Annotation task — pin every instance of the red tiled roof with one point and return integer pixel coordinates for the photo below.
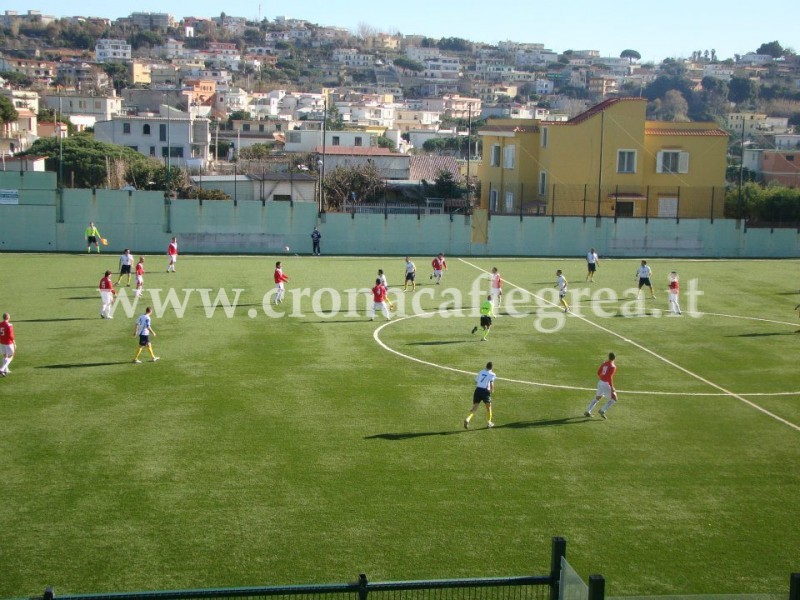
(687, 132)
(428, 167)
(509, 129)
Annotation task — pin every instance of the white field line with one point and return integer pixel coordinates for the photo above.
(655, 355)
(379, 341)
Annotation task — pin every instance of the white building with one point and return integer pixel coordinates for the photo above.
(350, 57)
(85, 110)
(443, 67)
(172, 133)
(309, 140)
(107, 50)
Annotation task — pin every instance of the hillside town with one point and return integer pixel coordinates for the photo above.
(240, 107)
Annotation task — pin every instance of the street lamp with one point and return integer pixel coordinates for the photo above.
(320, 171)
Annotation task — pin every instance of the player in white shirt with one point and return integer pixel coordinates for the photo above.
(591, 264)
(125, 264)
(561, 284)
(411, 274)
(144, 330)
(484, 386)
(496, 291)
(643, 274)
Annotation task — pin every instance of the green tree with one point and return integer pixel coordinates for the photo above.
(360, 182)
(334, 120)
(255, 152)
(444, 186)
(774, 49)
(239, 115)
(630, 55)
(8, 114)
(385, 142)
(408, 64)
(742, 90)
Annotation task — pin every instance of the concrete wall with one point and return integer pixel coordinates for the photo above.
(142, 222)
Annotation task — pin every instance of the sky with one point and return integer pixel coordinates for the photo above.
(656, 30)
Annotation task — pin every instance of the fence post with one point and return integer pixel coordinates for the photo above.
(597, 587)
(616, 203)
(585, 186)
(794, 587)
(362, 587)
(559, 551)
(678, 207)
(553, 211)
(647, 205)
(713, 191)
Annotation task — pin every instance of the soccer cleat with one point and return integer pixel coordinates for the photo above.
(489, 424)
(109, 317)
(474, 329)
(587, 414)
(466, 424)
(136, 361)
(431, 277)
(2, 373)
(603, 414)
(483, 339)
(155, 359)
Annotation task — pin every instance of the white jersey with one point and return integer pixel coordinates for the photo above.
(143, 325)
(484, 379)
(644, 272)
(410, 268)
(384, 283)
(591, 258)
(126, 260)
(561, 283)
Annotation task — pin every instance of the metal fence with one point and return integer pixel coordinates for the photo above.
(618, 202)
(541, 587)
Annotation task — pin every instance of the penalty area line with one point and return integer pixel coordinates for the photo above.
(652, 353)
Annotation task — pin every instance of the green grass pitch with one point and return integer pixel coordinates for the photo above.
(308, 449)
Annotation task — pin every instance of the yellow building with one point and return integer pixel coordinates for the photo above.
(607, 161)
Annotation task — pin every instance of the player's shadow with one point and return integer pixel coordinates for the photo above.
(84, 365)
(81, 298)
(753, 335)
(394, 437)
(73, 287)
(54, 320)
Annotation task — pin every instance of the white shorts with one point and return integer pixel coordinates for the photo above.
(496, 292)
(376, 306)
(173, 258)
(279, 286)
(603, 389)
(106, 297)
(7, 349)
(139, 280)
(673, 297)
(437, 273)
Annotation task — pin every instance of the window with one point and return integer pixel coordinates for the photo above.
(126, 128)
(245, 126)
(509, 156)
(358, 141)
(294, 137)
(145, 129)
(493, 200)
(543, 183)
(335, 140)
(162, 132)
(672, 161)
(261, 128)
(544, 137)
(174, 151)
(152, 150)
(277, 127)
(282, 197)
(626, 161)
(97, 104)
(790, 157)
(509, 201)
(495, 162)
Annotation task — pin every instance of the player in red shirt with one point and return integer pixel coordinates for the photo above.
(280, 277)
(172, 253)
(7, 346)
(674, 292)
(439, 264)
(107, 295)
(139, 277)
(605, 387)
(379, 300)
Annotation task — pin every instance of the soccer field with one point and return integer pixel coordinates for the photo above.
(314, 446)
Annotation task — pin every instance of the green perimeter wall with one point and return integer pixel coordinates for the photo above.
(142, 222)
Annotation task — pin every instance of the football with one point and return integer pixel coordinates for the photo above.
(286, 248)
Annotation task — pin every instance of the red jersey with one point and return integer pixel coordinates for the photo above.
(139, 269)
(280, 277)
(497, 282)
(438, 264)
(172, 249)
(106, 285)
(6, 333)
(379, 293)
(606, 372)
(674, 286)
